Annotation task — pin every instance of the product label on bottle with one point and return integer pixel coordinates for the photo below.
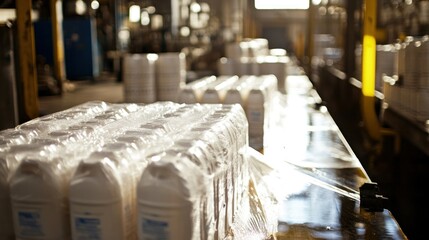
(87, 228)
(154, 229)
(94, 222)
(30, 224)
(257, 115)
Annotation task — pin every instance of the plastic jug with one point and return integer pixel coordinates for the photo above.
(38, 197)
(9, 161)
(98, 204)
(165, 210)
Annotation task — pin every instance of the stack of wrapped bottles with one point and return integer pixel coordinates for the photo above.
(126, 171)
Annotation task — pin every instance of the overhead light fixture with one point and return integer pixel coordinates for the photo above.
(195, 7)
(80, 7)
(95, 4)
(185, 31)
(134, 13)
(145, 18)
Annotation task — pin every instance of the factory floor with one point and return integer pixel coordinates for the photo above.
(103, 88)
(402, 176)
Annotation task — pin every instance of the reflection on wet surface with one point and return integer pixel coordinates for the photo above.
(320, 175)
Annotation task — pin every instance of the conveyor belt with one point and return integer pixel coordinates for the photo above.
(320, 173)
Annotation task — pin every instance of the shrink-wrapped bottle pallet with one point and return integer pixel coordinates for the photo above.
(254, 93)
(253, 57)
(126, 171)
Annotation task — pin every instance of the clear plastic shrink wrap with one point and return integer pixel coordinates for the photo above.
(9, 162)
(258, 109)
(193, 91)
(17, 143)
(47, 175)
(275, 65)
(215, 91)
(111, 175)
(10, 137)
(38, 197)
(38, 186)
(253, 93)
(239, 91)
(196, 188)
(127, 171)
(101, 196)
(63, 119)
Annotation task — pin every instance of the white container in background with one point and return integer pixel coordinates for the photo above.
(164, 210)
(39, 204)
(247, 66)
(215, 92)
(255, 111)
(257, 46)
(139, 77)
(170, 75)
(277, 66)
(278, 52)
(193, 91)
(239, 91)
(98, 204)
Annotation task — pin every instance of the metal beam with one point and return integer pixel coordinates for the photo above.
(27, 58)
(371, 121)
(57, 40)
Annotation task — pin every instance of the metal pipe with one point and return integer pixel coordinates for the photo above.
(57, 39)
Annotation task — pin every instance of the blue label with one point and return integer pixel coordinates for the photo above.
(153, 229)
(255, 116)
(87, 228)
(30, 224)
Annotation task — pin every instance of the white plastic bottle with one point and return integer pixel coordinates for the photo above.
(39, 201)
(256, 115)
(9, 161)
(98, 207)
(6, 226)
(193, 91)
(165, 210)
(238, 91)
(216, 90)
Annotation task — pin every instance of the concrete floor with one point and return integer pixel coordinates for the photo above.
(105, 88)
